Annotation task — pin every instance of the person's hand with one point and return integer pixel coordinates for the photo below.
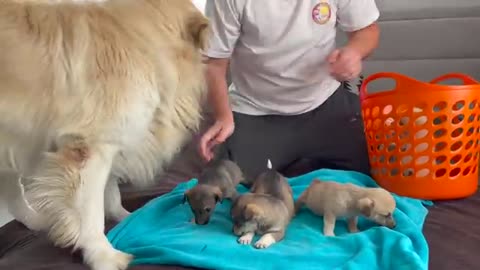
(345, 64)
(215, 135)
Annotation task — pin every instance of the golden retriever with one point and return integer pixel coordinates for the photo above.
(123, 77)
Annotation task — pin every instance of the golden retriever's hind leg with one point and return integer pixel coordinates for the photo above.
(114, 209)
(98, 253)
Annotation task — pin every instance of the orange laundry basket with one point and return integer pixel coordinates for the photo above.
(423, 138)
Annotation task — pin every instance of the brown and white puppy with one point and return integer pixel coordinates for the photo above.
(332, 200)
(217, 182)
(266, 210)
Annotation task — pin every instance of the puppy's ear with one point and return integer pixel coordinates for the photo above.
(199, 30)
(366, 205)
(185, 196)
(252, 211)
(217, 192)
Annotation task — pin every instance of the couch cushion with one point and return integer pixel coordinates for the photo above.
(408, 10)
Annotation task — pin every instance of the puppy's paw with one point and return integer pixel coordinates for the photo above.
(245, 239)
(353, 229)
(328, 232)
(264, 242)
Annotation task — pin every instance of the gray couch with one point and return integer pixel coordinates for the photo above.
(427, 38)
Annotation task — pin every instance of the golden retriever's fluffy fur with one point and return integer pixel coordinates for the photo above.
(125, 76)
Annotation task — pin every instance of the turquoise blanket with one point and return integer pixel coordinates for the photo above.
(161, 233)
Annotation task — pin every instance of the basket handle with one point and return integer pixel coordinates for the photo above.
(464, 78)
(401, 82)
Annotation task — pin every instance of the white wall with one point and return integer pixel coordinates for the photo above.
(200, 4)
(5, 217)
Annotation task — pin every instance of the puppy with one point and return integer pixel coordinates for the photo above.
(217, 182)
(266, 211)
(333, 200)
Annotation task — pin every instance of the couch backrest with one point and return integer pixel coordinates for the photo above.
(427, 38)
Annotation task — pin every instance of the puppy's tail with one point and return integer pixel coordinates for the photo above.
(269, 164)
(300, 202)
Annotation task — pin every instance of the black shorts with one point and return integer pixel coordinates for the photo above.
(331, 136)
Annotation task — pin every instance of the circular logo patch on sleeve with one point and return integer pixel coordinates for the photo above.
(321, 13)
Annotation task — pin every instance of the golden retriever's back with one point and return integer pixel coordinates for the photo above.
(64, 59)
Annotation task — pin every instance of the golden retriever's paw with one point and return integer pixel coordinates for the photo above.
(264, 242)
(113, 260)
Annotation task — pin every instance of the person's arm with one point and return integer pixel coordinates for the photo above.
(225, 20)
(365, 40)
(216, 76)
(358, 19)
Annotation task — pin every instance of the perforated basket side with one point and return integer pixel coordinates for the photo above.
(425, 148)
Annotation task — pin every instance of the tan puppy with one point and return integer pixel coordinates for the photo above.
(126, 75)
(266, 211)
(332, 200)
(217, 182)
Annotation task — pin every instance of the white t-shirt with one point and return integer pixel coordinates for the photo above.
(278, 49)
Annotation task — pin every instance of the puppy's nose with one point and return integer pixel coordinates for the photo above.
(392, 225)
(202, 222)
